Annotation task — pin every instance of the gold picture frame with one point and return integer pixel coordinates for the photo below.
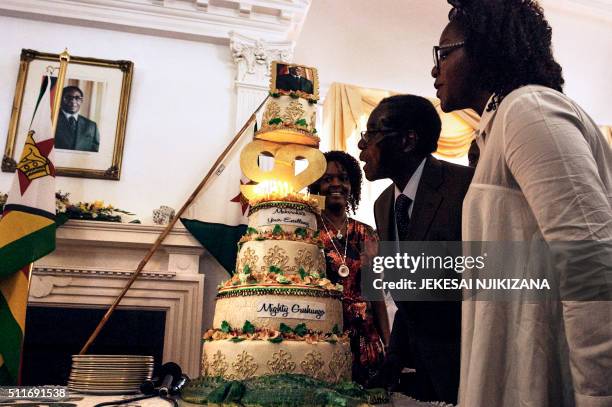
(282, 83)
(98, 99)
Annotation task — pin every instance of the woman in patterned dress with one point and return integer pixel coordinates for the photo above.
(345, 239)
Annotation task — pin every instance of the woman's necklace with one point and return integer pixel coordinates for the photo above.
(339, 230)
(343, 270)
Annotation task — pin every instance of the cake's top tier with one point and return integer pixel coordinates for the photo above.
(290, 112)
(265, 216)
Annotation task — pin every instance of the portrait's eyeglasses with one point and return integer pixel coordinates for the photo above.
(369, 135)
(69, 98)
(442, 51)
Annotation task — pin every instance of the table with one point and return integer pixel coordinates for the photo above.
(85, 400)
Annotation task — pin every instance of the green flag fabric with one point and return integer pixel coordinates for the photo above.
(220, 240)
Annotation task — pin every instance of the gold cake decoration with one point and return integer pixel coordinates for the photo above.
(249, 258)
(313, 364)
(339, 365)
(293, 113)
(277, 257)
(218, 366)
(204, 365)
(281, 363)
(272, 110)
(244, 366)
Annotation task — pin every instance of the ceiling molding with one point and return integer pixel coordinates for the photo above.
(205, 20)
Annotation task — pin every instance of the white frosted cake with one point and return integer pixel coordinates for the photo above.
(278, 313)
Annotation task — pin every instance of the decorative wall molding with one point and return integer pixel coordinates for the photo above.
(208, 20)
(252, 59)
(88, 271)
(94, 260)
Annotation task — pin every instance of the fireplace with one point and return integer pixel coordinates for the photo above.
(54, 334)
(92, 263)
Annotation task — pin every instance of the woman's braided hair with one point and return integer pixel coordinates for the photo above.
(509, 42)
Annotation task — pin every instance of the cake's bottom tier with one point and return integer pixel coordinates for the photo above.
(243, 360)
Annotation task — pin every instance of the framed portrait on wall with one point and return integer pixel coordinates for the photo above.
(295, 79)
(91, 124)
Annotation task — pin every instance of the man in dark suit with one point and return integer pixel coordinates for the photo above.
(295, 80)
(75, 131)
(423, 204)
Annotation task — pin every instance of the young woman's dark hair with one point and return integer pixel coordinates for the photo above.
(509, 43)
(350, 164)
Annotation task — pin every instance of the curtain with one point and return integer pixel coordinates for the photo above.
(347, 108)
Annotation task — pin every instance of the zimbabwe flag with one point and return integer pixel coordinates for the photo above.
(27, 229)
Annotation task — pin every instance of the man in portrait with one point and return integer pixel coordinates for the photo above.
(294, 80)
(75, 131)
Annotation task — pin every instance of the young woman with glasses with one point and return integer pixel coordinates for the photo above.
(544, 174)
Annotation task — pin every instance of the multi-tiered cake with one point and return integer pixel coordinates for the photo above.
(278, 313)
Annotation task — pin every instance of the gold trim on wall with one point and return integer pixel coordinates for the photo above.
(113, 172)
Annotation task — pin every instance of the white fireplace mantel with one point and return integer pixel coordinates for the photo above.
(93, 261)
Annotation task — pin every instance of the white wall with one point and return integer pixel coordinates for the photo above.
(386, 44)
(180, 117)
(583, 47)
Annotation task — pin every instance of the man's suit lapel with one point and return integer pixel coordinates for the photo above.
(428, 200)
(386, 230)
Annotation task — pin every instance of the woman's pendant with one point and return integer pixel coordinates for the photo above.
(339, 235)
(343, 271)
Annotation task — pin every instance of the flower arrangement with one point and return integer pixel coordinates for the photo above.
(96, 210)
(65, 210)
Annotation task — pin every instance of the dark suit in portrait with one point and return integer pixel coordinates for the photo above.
(291, 82)
(82, 135)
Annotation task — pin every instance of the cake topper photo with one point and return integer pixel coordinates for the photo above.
(294, 79)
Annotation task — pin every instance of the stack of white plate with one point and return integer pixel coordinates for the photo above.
(109, 374)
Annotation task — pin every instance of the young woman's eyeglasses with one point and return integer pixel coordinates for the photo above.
(441, 52)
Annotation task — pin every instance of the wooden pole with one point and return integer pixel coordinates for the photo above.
(59, 87)
(167, 230)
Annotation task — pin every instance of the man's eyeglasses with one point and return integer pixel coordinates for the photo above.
(441, 52)
(369, 135)
(68, 98)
